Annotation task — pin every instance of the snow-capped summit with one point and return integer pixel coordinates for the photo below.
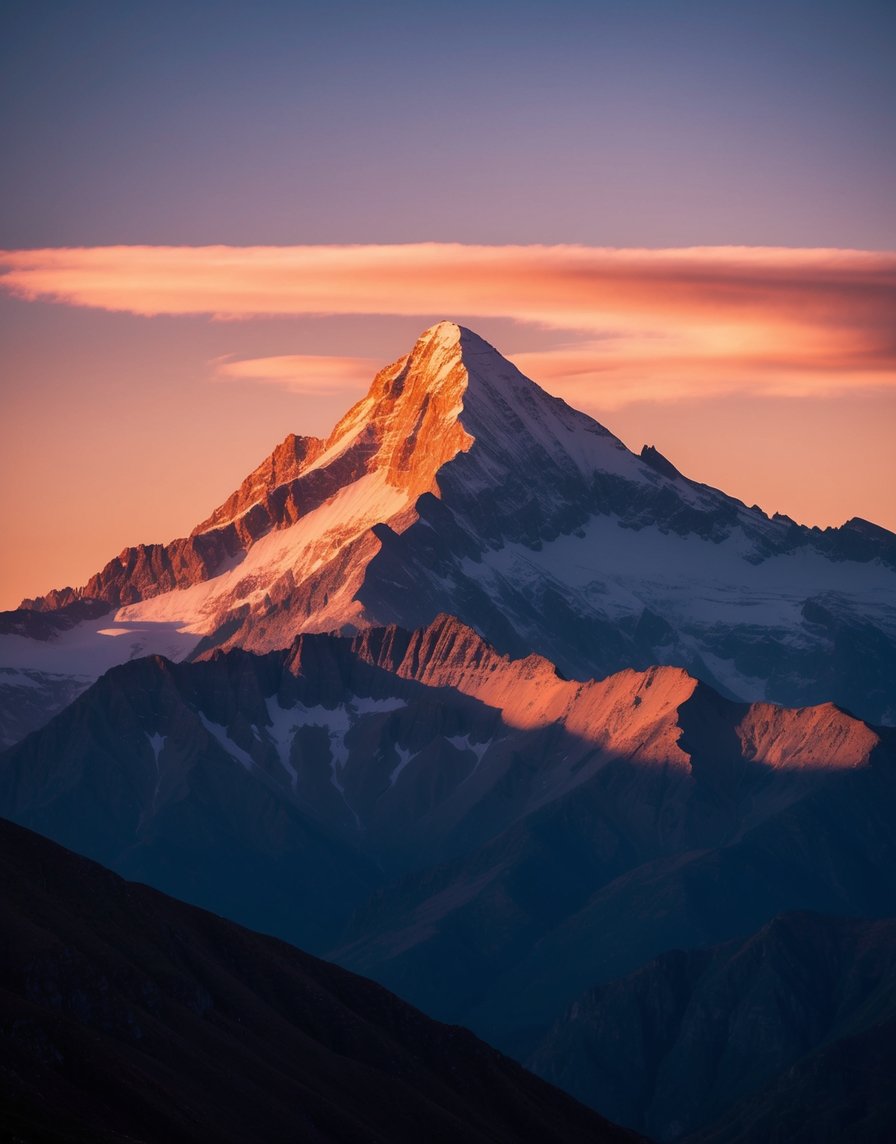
(451, 412)
(458, 485)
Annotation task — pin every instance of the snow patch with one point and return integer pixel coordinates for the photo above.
(695, 583)
(284, 722)
(282, 726)
(463, 743)
(219, 732)
(404, 757)
(87, 651)
(301, 550)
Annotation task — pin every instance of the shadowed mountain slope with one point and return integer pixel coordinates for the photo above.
(481, 835)
(787, 1035)
(127, 1015)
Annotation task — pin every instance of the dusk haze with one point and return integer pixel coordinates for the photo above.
(448, 526)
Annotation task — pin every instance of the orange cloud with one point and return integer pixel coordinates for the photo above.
(684, 322)
(695, 363)
(301, 373)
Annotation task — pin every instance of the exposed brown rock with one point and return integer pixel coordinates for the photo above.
(404, 427)
(284, 465)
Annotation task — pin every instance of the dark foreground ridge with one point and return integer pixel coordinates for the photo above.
(127, 1015)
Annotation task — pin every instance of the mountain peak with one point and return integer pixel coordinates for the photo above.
(445, 333)
(453, 336)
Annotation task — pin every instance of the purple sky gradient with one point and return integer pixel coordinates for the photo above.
(627, 123)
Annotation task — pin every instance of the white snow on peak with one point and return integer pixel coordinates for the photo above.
(300, 549)
(14, 677)
(698, 585)
(504, 411)
(86, 650)
(446, 334)
(683, 576)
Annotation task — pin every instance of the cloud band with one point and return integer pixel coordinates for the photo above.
(690, 320)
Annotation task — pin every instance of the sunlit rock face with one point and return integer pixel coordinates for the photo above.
(459, 486)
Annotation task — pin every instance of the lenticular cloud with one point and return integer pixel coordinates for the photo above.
(681, 322)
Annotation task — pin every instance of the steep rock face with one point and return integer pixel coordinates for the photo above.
(707, 1044)
(480, 834)
(252, 500)
(129, 1015)
(457, 485)
(637, 860)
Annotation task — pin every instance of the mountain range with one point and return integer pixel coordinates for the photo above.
(459, 486)
(550, 740)
(481, 835)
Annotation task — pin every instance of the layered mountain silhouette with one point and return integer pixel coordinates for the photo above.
(789, 1035)
(126, 1015)
(459, 486)
(483, 836)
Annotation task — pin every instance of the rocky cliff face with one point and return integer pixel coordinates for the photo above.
(251, 509)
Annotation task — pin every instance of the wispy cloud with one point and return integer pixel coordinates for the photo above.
(301, 373)
(640, 323)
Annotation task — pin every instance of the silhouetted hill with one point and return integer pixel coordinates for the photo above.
(127, 1015)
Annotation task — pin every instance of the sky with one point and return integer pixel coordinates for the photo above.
(219, 219)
